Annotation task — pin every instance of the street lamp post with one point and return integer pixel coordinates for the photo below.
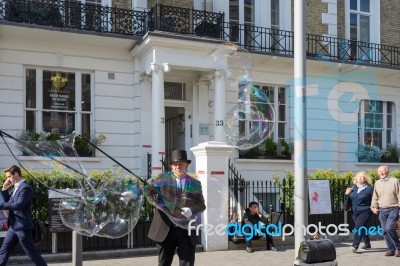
(300, 128)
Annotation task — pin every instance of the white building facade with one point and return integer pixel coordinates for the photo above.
(159, 90)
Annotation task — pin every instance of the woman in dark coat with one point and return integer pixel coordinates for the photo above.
(360, 194)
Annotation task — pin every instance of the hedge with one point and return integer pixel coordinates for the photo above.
(338, 183)
(41, 181)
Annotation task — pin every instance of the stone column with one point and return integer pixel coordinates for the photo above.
(212, 160)
(158, 115)
(139, 4)
(219, 106)
(202, 114)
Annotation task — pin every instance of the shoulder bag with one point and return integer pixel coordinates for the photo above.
(347, 204)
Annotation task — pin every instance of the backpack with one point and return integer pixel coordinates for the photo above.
(39, 231)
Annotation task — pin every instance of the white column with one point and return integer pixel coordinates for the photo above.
(219, 106)
(203, 110)
(139, 4)
(212, 160)
(158, 116)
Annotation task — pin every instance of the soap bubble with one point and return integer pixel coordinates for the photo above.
(251, 121)
(108, 203)
(162, 192)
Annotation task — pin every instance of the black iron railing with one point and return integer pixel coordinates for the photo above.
(236, 185)
(187, 21)
(75, 15)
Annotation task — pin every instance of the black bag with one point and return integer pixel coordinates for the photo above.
(317, 250)
(347, 204)
(39, 232)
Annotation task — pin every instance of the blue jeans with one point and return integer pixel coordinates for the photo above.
(361, 219)
(388, 218)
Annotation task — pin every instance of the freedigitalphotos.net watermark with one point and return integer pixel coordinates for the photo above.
(249, 231)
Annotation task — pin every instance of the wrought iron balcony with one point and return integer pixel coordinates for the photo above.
(190, 22)
(74, 15)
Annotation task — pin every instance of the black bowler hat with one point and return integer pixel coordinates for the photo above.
(179, 156)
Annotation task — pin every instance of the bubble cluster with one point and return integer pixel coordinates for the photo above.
(110, 209)
(251, 121)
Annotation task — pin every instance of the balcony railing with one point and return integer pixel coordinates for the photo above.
(74, 15)
(186, 21)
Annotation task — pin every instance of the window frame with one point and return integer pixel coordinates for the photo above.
(374, 23)
(276, 88)
(384, 129)
(38, 110)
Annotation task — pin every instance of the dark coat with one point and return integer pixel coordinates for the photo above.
(361, 202)
(248, 218)
(19, 207)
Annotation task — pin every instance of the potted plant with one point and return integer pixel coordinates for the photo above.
(284, 149)
(390, 154)
(268, 150)
(84, 148)
(27, 135)
(369, 153)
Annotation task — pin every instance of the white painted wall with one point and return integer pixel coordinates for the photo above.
(122, 108)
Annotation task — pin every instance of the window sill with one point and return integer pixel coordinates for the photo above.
(241, 160)
(41, 158)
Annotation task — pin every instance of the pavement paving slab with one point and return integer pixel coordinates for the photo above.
(239, 257)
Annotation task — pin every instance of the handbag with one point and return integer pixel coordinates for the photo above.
(347, 204)
(39, 232)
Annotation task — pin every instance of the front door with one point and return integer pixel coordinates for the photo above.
(174, 130)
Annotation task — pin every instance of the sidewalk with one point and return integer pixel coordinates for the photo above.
(283, 257)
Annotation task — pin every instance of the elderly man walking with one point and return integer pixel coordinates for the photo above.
(386, 202)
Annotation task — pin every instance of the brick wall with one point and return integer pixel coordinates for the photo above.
(314, 9)
(390, 22)
(314, 25)
(125, 4)
(177, 3)
(340, 19)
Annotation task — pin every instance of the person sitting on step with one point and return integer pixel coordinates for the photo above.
(251, 217)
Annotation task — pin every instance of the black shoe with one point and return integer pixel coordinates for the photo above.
(366, 246)
(249, 250)
(354, 249)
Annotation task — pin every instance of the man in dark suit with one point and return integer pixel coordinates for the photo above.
(19, 206)
(179, 199)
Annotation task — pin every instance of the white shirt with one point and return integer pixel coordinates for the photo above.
(17, 185)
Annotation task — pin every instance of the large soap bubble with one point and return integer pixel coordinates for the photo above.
(110, 201)
(162, 192)
(251, 121)
(111, 209)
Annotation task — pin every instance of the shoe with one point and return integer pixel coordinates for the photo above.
(272, 248)
(366, 246)
(397, 254)
(249, 250)
(389, 253)
(354, 249)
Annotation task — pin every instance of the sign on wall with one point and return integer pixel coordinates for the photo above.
(56, 197)
(319, 196)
